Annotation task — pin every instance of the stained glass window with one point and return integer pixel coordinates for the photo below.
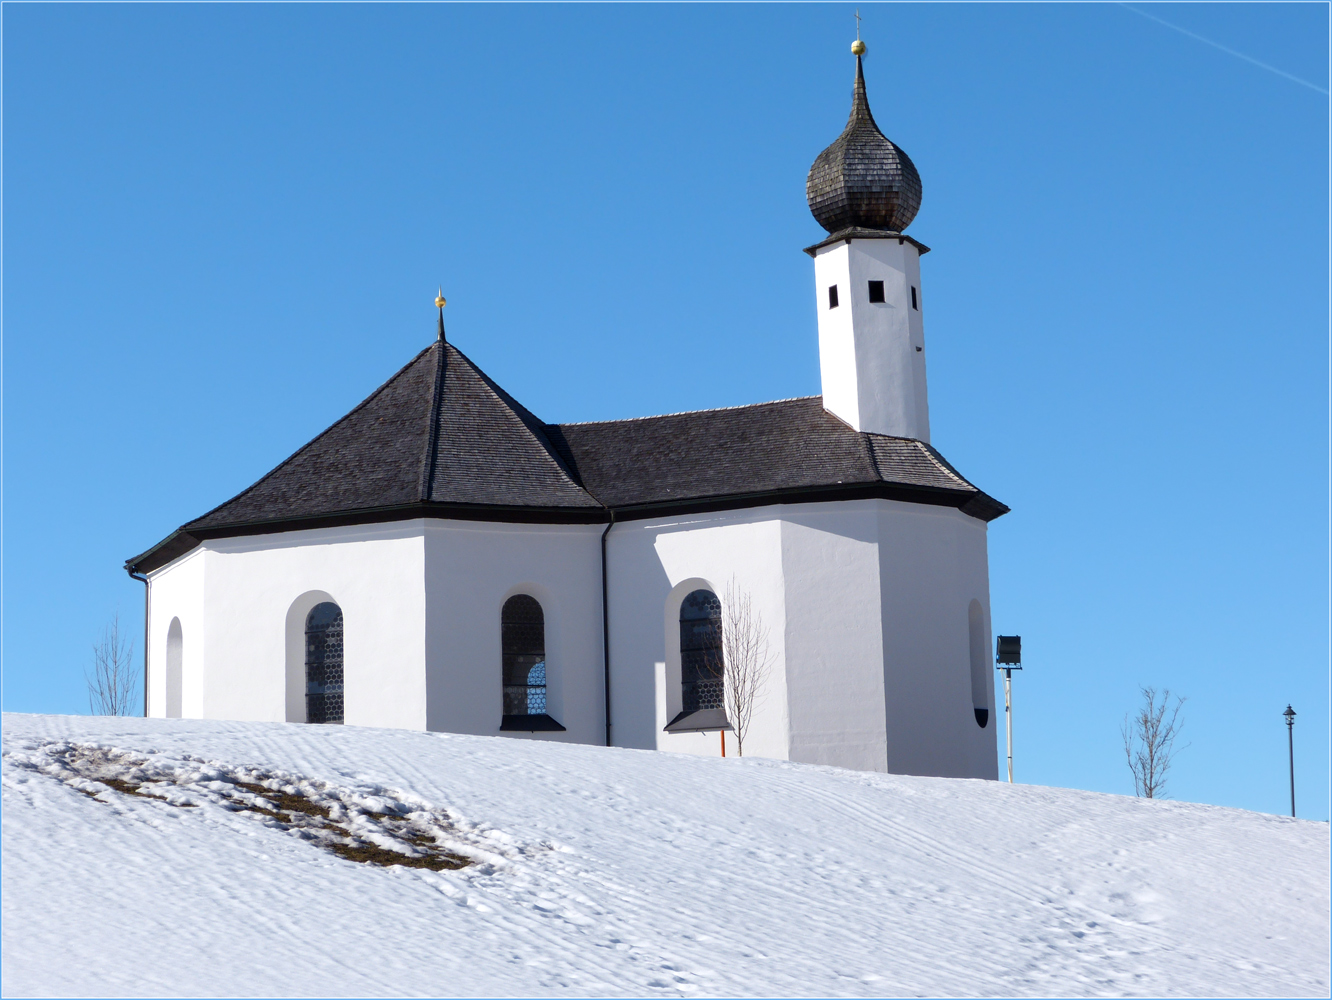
(523, 633)
(323, 664)
(701, 680)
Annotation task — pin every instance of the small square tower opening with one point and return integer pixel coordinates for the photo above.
(876, 291)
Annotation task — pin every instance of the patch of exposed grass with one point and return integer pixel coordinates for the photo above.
(282, 801)
(299, 804)
(292, 810)
(250, 786)
(125, 787)
(372, 854)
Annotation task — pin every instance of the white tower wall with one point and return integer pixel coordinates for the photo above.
(872, 354)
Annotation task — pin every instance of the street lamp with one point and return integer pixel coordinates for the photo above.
(1008, 657)
(1289, 713)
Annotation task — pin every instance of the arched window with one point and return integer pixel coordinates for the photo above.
(523, 631)
(175, 666)
(323, 663)
(701, 680)
(980, 663)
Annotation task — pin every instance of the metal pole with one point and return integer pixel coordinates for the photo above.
(605, 608)
(1290, 739)
(1008, 716)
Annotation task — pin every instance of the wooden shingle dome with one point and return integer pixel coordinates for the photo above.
(863, 181)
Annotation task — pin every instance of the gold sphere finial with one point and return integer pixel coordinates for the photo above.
(857, 48)
(439, 298)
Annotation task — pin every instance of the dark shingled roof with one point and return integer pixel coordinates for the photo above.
(439, 431)
(747, 451)
(440, 439)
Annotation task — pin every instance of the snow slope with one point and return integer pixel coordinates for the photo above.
(616, 872)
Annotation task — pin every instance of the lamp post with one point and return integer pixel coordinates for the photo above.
(1289, 713)
(1008, 656)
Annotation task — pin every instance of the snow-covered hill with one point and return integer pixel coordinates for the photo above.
(185, 857)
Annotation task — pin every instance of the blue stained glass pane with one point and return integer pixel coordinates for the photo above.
(536, 690)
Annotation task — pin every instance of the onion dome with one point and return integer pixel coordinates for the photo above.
(862, 180)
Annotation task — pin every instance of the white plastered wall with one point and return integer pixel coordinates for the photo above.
(653, 566)
(871, 354)
(933, 564)
(667, 689)
(834, 666)
(177, 592)
(238, 642)
(867, 604)
(472, 568)
(868, 607)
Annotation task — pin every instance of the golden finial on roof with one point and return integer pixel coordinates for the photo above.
(857, 47)
(439, 297)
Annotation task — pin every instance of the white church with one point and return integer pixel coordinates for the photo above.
(442, 559)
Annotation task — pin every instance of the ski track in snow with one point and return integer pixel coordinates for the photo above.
(598, 872)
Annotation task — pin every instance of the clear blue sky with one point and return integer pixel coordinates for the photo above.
(224, 226)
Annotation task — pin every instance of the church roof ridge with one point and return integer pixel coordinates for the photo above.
(430, 454)
(686, 413)
(943, 463)
(535, 427)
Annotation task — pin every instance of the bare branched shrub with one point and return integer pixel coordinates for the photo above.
(113, 682)
(747, 655)
(1149, 741)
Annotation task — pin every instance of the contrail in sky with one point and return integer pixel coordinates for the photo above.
(1218, 45)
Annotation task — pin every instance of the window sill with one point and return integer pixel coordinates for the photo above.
(707, 721)
(530, 724)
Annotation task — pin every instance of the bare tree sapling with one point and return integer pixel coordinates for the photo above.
(1149, 741)
(113, 681)
(747, 656)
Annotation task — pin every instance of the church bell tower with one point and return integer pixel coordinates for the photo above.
(865, 191)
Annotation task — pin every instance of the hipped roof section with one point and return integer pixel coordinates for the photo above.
(441, 439)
